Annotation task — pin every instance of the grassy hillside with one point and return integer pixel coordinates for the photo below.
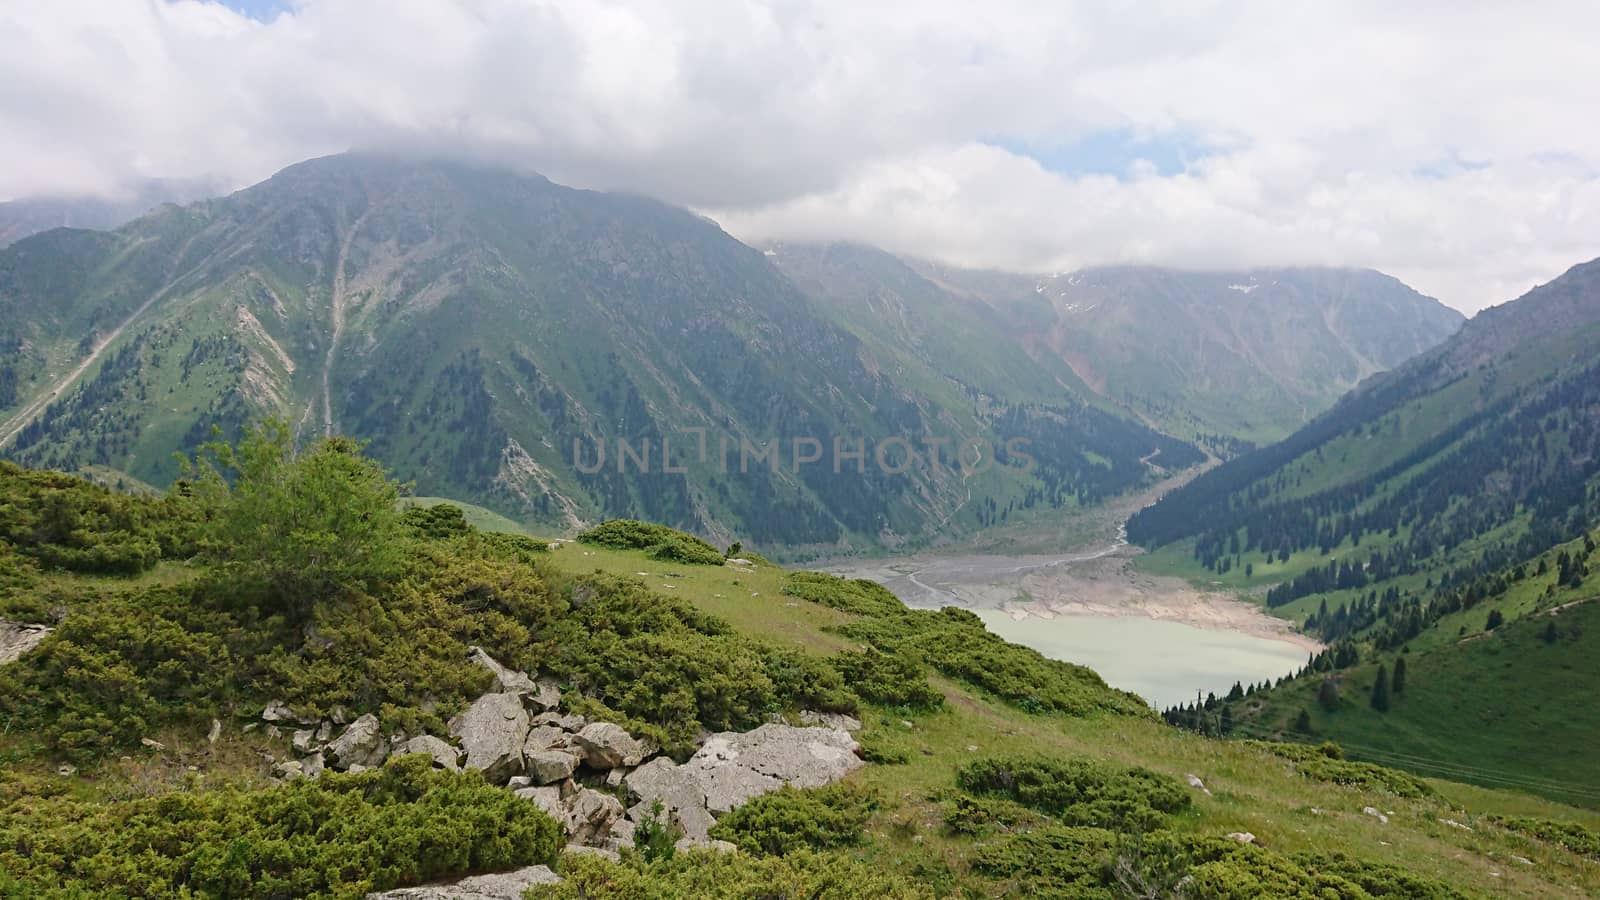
(1013, 774)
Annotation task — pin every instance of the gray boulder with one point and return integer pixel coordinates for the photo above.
(507, 681)
(732, 767)
(312, 765)
(492, 731)
(550, 766)
(548, 799)
(443, 754)
(589, 816)
(17, 639)
(568, 722)
(502, 886)
(830, 720)
(545, 737)
(361, 744)
(546, 695)
(682, 798)
(304, 740)
(607, 746)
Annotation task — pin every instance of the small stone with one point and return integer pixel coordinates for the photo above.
(615, 776)
(361, 744)
(153, 744)
(507, 681)
(312, 765)
(607, 746)
(583, 850)
(906, 723)
(324, 731)
(830, 720)
(66, 770)
(356, 769)
(686, 844)
(304, 740)
(1243, 837)
(972, 748)
(550, 766)
(443, 754)
(1522, 859)
(1195, 782)
(288, 771)
(1373, 812)
(338, 716)
(277, 711)
(215, 732)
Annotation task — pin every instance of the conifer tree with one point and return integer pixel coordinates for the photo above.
(1397, 684)
(1380, 690)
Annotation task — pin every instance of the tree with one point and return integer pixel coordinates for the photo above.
(1397, 684)
(1328, 694)
(1495, 620)
(1302, 722)
(1551, 632)
(297, 526)
(1380, 690)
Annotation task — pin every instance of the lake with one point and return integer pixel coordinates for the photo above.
(1160, 660)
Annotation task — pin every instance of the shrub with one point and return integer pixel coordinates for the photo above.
(708, 875)
(663, 543)
(791, 819)
(436, 522)
(981, 815)
(803, 680)
(64, 522)
(1326, 763)
(1078, 791)
(337, 837)
(890, 680)
(1568, 835)
(859, 596)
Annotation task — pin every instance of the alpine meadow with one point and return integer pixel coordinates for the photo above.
(536, 450)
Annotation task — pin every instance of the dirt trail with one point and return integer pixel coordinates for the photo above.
(41, 402)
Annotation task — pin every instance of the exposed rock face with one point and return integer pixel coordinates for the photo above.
(17, 639)
(831, 720)
(550, 766)
(589, 816)
(361, 744)
(503, 886)
(682, 798)
(506, 680)
(607, 746)
(732, 767)
(548, 799)
(443, 754)
(492, 731)
(545, 737)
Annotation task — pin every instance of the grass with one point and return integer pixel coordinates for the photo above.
(1251, 791)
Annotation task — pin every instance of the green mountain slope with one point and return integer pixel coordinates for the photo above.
(491, 334)
(1248, 355)
(1456, 494)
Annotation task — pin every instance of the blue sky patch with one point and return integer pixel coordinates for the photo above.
(260, 10)
(1112, 152)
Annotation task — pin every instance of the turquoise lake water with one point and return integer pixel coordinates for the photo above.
(1162, 661)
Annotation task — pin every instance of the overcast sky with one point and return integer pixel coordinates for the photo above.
(1454, 144)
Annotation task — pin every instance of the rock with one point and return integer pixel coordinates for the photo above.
(547, 799)
(506, 680)
(492, 731)
(831, 720)
(356, 769)
(544, 737)
(615, 776)
(1522, 859)
(732, 767)
(338, 716)
(1454, 824)
(277, 711)
(153, 744)
(288, 771)
(517, 782)
(606, 746)
(1373, 812)
(590, 814)
(361, 744)
(571, 722)
(67, 770)
(685, 844)
(503, 886)
(583, 850)
(274, 732)
(443, 754)
(304, 740)
(550, 766)
(215, 732)
(1195, 782)
(1243, 837)
(682, 798)
(312, 765)
(621, 834)
(324, 731)
(546, 695)
(17, 639)
(738, 563)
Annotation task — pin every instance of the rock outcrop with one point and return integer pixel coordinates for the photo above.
(492, 731)
(443, 754)
(607, 746)
(502, 886)
(17, 639)
(732, 767)
(361, 744)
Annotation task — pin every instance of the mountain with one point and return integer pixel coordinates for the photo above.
(27, 216)
(1443, 513)
(493, 334)
(1248, 356)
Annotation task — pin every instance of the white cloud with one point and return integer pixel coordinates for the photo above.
(1452, 144)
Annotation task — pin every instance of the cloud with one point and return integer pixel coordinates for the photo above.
(1451, 144)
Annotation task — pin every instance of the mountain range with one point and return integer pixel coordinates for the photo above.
(491, 335)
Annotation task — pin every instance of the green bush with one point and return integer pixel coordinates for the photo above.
(437, 522)
(708, 875)
(804, 680)
(663, 543)
(1326, 763)
(68, 523)
(792, 819)
(956, 643)
(1054, 861)
(889, 680)
(982, 815)
(1078, 791)
(337, 837)
(853, 595)
(1568, 835)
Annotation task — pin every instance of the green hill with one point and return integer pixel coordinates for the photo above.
(994, 771)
